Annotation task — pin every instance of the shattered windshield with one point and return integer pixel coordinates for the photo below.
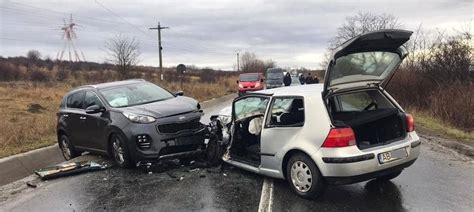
(134, 94)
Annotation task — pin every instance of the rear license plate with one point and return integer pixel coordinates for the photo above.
(393, 155)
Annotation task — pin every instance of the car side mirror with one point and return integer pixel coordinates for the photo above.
(237, 81)
(94, 109)
(179, 93)
(261, 80)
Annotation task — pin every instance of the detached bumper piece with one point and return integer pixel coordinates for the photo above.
(68, 169)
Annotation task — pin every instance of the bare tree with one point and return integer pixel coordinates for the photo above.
(250, 63)
(364, 22)
(33, 55)
(124, 52)
(358, 24)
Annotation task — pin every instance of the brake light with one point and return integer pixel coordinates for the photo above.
(340, 137)
(410, 123)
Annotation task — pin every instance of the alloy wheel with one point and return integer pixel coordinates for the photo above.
(118, 151)
(65, 149)
(301, 176)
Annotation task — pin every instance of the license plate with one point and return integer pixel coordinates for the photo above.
(393, 155)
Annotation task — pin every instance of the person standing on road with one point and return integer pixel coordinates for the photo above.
(315, 80)
(302, 78)
(287, 79)
(309, 79)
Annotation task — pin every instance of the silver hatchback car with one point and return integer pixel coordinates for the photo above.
(347, 130)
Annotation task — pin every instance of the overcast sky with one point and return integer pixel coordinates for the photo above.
(208, 33)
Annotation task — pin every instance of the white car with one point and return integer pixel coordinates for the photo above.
(347, 130)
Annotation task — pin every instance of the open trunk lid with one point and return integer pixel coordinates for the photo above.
(365, 60)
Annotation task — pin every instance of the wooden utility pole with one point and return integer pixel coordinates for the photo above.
(159, 28)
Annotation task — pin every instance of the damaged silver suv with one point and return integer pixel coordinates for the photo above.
(347, 130)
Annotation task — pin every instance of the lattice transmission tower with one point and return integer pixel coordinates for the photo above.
(69, 34)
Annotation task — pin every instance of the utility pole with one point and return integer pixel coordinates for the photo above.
(159, 28)
(238, 64)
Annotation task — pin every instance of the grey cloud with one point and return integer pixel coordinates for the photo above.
(207, 33)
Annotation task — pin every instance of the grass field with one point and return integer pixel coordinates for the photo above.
(28, 110)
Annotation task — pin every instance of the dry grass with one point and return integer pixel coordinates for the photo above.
(438, 126)
(22, 129)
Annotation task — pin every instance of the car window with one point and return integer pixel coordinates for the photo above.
(250, 106)
(75, 100)
(287, 112)
(363, 66)
(91, 99)
(366, 100)
(249, 77)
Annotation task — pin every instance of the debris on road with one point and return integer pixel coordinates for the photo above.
(69, 169)
(31, 184)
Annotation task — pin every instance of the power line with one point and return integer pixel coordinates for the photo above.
(125, 20)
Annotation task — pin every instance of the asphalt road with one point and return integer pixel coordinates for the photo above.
(440, 180)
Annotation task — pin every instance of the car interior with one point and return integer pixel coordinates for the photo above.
(245, 147)
(374, 119)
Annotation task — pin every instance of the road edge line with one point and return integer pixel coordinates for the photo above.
(266, 198)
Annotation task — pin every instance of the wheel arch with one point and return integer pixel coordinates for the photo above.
(287, 157)
(112, 131)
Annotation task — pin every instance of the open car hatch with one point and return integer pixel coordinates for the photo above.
(367, 59)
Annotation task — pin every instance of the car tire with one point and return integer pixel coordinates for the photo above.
(120, 152)
(67, 149)
(214, 151)
(389, 176)
(304, 176)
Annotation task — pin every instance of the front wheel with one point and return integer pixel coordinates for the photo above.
(214, 151)
(120, 152)
(67, 149)
(304, 177)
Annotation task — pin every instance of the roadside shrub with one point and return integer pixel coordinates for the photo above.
(62, 75)
(8, 73)
(208, 75)
(39, 76)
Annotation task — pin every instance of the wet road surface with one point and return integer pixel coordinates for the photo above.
(440, 180)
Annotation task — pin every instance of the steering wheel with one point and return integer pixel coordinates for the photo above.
(372, 104)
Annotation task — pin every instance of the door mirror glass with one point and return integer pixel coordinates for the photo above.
(179, 93)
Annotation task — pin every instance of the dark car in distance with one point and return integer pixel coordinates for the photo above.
(132, 121)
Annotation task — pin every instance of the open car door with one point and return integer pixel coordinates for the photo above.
(365, 60)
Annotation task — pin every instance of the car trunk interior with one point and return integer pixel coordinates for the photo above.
(373, 118)
(245, 146)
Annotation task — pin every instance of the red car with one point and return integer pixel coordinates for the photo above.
(250, 82)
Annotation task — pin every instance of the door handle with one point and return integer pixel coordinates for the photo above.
(65, 115)
(82, 118)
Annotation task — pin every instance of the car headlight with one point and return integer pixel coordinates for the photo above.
(241, 86)
(141, 119)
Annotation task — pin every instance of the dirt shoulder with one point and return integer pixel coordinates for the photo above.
(462, 147)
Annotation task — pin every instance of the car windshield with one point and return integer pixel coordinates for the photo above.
(248, 77)
(363, 66)
(275, 75)
(135, 94)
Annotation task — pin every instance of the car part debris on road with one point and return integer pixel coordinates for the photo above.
(69, 169)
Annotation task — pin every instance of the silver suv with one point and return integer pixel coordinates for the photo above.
(347, 130)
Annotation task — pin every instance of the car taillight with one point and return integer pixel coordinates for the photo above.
(410, 123)
(340, 137)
